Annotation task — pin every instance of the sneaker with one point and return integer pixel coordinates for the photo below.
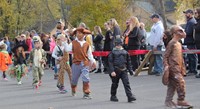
(40, 83)
(182, 103)
(114, 98)
(55, 76)
(170, 104)
(87, 96)
(19, 83)
(73, 93)
(35, 86)
(62, 90)
(130, 99)
(5, 79)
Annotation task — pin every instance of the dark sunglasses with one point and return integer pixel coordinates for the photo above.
(195, 13)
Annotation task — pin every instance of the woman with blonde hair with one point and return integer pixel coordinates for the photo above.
(98, 45)
(116, 29)
(133, 34)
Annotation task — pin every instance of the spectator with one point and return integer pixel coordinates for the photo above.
(98, 45)
(143, 38)
(197, 33)
(88, 37)
(189, 41)
(46, 47)
(28, 40)
(156, 43)
(116, 29)
(133, 33)
(7, 42)
(108, 45)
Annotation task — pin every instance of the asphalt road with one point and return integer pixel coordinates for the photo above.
(149, 91)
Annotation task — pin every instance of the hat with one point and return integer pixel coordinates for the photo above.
(82, 30)
(154, 16)
(20, 45)
(36, 39)
(188, 11)
(118, 41)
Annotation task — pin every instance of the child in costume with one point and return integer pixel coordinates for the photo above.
(57, 54)
(82, 59)
(37, 60)
(174, 69)
(5, 59)
(119, 62)
(19, 69)
(62, 58)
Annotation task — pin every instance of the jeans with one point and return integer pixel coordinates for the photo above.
(192, 60)
(158, 60)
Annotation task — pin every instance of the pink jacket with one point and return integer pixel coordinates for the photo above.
(52, 45)
(29, 44)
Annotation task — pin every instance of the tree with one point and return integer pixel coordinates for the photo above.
(17, 16)
(97, 12)
(182, 5)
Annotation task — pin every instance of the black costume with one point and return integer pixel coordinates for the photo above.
(119, 62)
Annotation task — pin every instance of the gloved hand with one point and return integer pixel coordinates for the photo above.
(131, 72)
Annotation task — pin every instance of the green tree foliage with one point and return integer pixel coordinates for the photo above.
(97, 12)
(6, 17)
(17, 16)
(182, 5)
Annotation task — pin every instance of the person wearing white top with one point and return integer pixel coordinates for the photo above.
(57, 55)
(82, 60)
(156, 43)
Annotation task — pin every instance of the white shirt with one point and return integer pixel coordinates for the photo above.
(156, 34)
(68, 48)
(56, 50)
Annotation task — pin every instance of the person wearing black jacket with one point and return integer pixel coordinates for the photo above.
(98, 45)
(119, 62)
(108, 45)
(197, 33)
(134, 40)
(189, 41)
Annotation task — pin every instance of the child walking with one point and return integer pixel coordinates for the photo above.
(19, 69)
(174, 69)
(62, 60)
(37, 60)
(82, 59)
(119, 63)
(5, 59)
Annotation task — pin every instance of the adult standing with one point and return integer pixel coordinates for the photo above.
(197, 33)
(108, 45)
(189, 41)
(156, 43)
(133, 33)
(98, 45)
(143, 38)
(116, 29)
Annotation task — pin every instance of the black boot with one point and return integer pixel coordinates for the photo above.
(98, 71)
(114, 98)
(132, 98)
(197, 75)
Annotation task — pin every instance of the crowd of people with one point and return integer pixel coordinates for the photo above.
(41, 51)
